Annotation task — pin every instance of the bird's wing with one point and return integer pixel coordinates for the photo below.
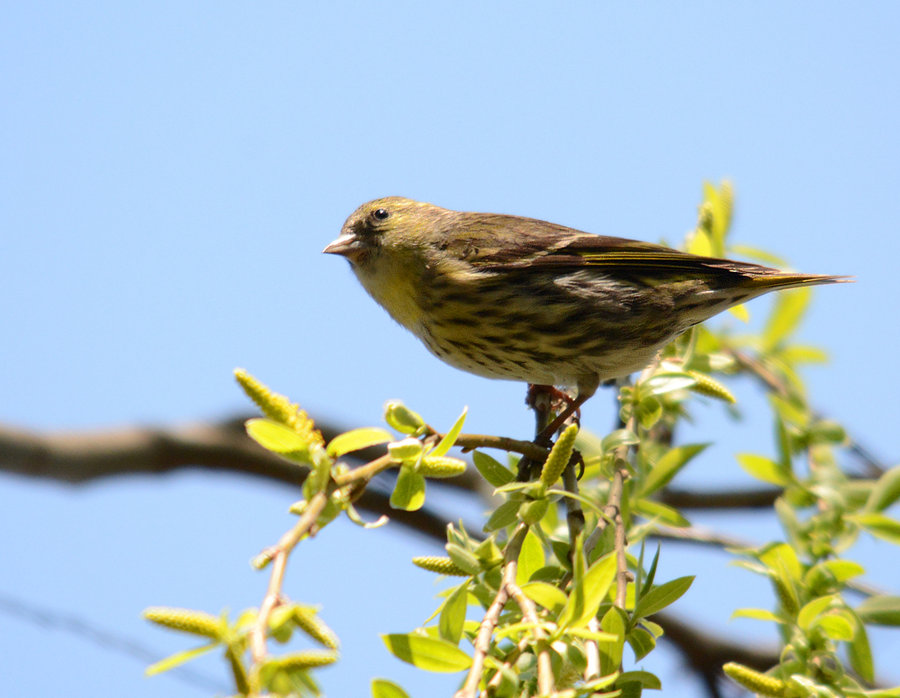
(537, 245)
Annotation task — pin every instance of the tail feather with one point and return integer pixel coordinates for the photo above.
(781, 280)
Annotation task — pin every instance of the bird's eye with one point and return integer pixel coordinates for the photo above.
(381, 213)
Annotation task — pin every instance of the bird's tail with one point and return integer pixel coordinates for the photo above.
(782, 280)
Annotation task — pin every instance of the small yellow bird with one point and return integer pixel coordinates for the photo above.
(522, 299)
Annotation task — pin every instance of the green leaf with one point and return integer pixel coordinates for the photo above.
(453, 614)
(642, 643)
(661, 596)
(667, 382)
(880, 610)
(575, 602)
(879, 525)
(786, 315)
(652, 509)
(463, 559)
(789, 411)
(278, 438)
(401, 418)
(836, 626)
(649, 411)
(668, 466)
(382, 688)
(756, 614)
(782, 559)
(790, 522)
(178, 659)
(531, 511)
(357, 440)
(843, 569)
(492, 470)
(504, 515)
(700, 244)
(645, 678)
(764, 469)
(798, 354)
(450, 437)
(531, 558)
(721, 200)
(886, 490)
(611, 652)
(813, 610)
(581, 607)
(409, 492)
(596, 636)
(860, 653)
(784, 445)
(544, 594)
(619, 437)
(642, 583)
(516, 631)
(428, 653)
(740, 312)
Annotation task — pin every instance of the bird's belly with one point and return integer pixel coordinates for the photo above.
(536, 357)
(543, 330)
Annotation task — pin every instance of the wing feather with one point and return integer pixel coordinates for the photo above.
(529, 243)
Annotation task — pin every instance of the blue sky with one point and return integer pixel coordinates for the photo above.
(170, 171)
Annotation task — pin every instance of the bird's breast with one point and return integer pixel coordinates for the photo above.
(397, 291)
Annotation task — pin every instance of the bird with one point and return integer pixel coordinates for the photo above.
(522, 299)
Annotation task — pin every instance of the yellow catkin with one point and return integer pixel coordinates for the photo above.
(440, 565)
(441, 466)
(278, 407)
(307, 659)
(312, 625)
(559, 456)
(185, 620)
(708, 386)
(754, 681)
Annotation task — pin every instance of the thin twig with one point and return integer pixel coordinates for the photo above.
(574, 512)
(492, 616)
(279, 555)
(365, 472)
(615, 510)
(613, 513)
(468, 442)
(529, 612)
(592, 652)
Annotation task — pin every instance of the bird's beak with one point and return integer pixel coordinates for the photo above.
(347, 245)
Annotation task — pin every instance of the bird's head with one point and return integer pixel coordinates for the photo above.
(390, 228)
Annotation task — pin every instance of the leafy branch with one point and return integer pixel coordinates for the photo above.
(559, 571)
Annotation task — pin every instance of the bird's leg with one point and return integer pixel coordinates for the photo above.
(545, 400)
(587, 386)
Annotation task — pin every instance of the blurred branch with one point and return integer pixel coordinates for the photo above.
(750, 498)
(83, 456)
